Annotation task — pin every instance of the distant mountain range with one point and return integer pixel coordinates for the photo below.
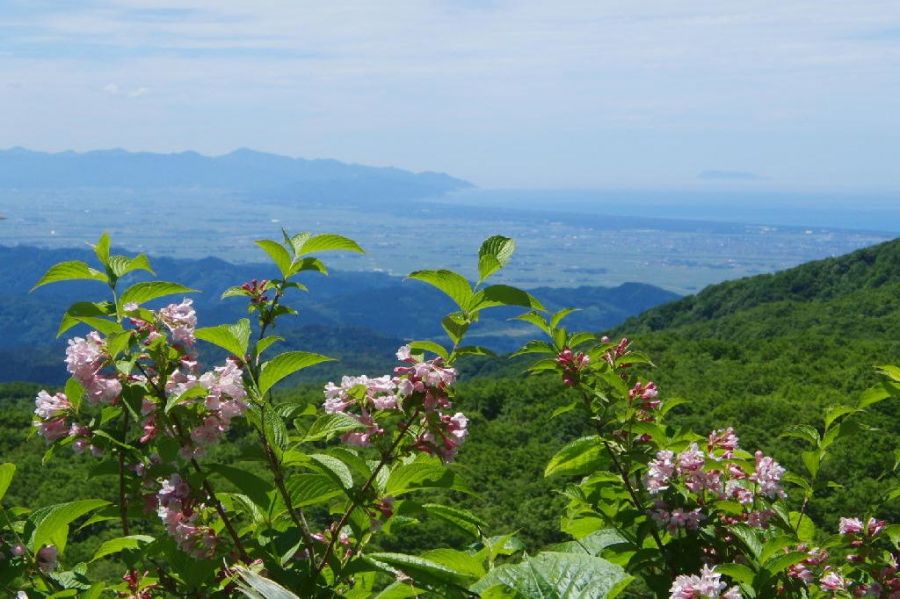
(359, 317)
(241, 170)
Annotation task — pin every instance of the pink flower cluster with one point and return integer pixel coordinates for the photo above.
(181, 320)
(85, 358)
(854, 526)
(179, 512)
(707, 585)
(572, 364)
(422, 384)
(646, 394)
(708, 475)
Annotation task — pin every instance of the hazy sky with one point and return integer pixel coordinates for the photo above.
(548, 93)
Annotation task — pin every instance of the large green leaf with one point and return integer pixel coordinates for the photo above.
(581, 456)
(455, 286)
(460, 518)
(250, 484)
(122, 265)
(503, 295)
(286, 364)
(7, 471)
(424, 473)
(327, 242)
(420, 568)
(140, 293)
(101, 248)
(51, 526)
(495, 252)
(69, 271)
(256, 586)
(278, 254)
(233, 338)
(330, 424)
(552, 575)
(113, 546)
(333, 467)
(312, 488)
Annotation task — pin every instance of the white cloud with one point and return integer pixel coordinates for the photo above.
(497, 90)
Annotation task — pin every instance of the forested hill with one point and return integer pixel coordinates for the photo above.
(760, 354)
(348, 315)
(871, 268)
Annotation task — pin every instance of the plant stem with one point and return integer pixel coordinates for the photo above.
(123, 496)
(385, 458)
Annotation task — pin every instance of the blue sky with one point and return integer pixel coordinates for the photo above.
(764, 94)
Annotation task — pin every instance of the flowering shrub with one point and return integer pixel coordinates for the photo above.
(651, 509)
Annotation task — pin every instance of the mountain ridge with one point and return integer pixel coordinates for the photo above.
(240, 170)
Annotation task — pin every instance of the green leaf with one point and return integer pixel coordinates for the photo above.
(803, 432)
(420, 568)
(121, 544)
(7, 471)
(458, 517)
(278, 254)
(250, 484)
(309, 264)
(535, 347)
(493, 255)
(334, 467)
(459, 561)
(455, 286)
(70, 271)
(782, 562)
(891, 371)
(313, 488)
(581, 456)
(233, 338)
(739, 573)
(52, 527)
(101, 249)
(874, 395)
(553, 575)
(122, 265)
(749, 538)
(264, 343)
(331, 424)
(275, 431)
(455, 326)
(835, 412)
(811, 461)
(256, 586)
(140, 293)
(284, 365)
(503, 295)
(564, 409)
(430, 346)
(423, 473)
(535, 319)
(327, 242)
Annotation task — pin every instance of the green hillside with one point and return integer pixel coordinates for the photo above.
(760, 354)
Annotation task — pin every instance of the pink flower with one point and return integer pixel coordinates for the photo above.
(84, 356)
(53, 430)
(873, 526)
(850, 526)
(659, 472)
(690, 460)
(832, 581)
(768, 476)
(706, 586)
(723, 439)
(50, 406)
(181, 320)
(404, 353)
